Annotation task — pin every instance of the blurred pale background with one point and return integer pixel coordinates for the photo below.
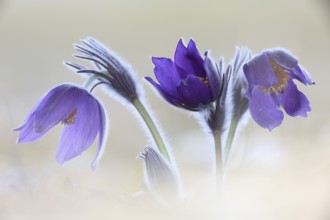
(283, 174)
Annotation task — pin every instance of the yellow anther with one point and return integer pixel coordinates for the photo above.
(71, 119)
(282, 79)
(205, 80)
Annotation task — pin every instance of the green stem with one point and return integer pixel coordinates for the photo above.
(218, 158)
(89, 81)
(230, 138)
(152, 127)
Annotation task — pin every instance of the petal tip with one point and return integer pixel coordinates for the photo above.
(94, 165)
(60, 160)
(191, 43)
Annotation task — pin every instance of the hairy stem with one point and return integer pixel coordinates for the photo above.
(218, 158)
(89, 81)
(230, 138)
(152, 127)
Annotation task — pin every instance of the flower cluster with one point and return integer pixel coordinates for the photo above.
(221, 97)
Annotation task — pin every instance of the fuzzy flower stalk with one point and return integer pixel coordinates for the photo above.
(117, 76)
(80, 113)
(236, 103)
(225, 114)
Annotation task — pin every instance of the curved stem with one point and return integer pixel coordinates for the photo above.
(152, 128)
(89, 81)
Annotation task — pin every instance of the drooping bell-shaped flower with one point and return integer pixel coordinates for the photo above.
(189, 81)
(271, 88)
(81, 115)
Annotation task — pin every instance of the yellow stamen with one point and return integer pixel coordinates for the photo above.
(71, 119)
(205, 80)
(282, 79)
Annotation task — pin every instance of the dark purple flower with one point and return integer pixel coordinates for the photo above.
(189, 81)
(78, 111)
(270, 77)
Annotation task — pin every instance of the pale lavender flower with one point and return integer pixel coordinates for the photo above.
(271, 88)
(81, 115)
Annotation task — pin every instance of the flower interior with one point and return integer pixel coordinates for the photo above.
(71, 119)
(205, 80)
(282, 79)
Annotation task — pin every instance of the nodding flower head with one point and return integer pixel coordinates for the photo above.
(110, 69)
(189, 81)
(81, 115)
(270, 78)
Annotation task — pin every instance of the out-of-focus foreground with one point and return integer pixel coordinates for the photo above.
(283, 174)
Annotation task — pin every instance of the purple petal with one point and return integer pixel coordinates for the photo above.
(293, 101)
(193, 92)
(163, 93)
(102, 136)
(79, 136)
(167, 74)
(260, 72)
(213, 76)
(27, 133)
(195, 57)
(189, 58)
(46, 114)
(247, 73)
(264, 110)
(180, 58)
(56, 106)
(283, 58)
(302, 75)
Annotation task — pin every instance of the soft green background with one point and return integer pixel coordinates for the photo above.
(284, 174)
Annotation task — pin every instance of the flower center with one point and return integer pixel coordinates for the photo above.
(205, 80)
(282, 79)
(71, 119)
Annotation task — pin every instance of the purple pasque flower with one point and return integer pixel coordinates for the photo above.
(270, 78)
(189, 81)
(81, 115)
